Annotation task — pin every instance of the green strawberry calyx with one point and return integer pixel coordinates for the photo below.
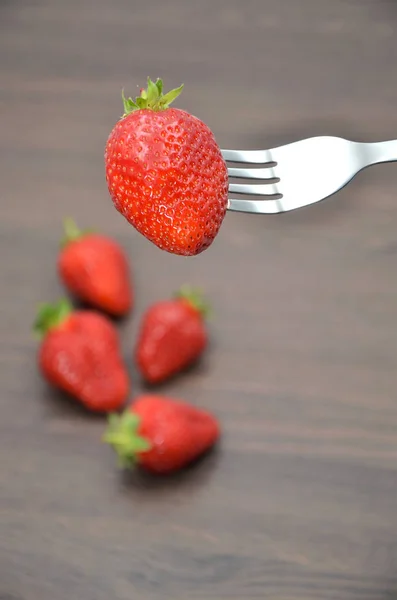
(122, 435)
(50, 316)
(195, 297)
(72, 232)
(151, 98)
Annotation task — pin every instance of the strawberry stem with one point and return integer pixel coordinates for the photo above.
(122, 435)
(195, 297)
(151, 98)
(50, 316)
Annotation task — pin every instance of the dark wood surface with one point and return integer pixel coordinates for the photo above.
(299, 501)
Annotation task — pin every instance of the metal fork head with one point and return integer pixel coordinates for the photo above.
(291, 176)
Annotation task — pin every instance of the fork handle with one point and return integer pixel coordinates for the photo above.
(379, 152)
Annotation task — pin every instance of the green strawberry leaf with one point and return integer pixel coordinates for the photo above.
(195, 297)
(141, 102)
(168, 98)
(50, 316)
(152, 92)
(72, 232)
(128, 103)
(152, 98)
(159, 83)
(122, 434)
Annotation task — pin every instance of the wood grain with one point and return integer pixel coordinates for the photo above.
(299, 501)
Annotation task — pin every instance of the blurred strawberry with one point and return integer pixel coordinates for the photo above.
(94, 268)
(161, 434)
(172, 335)
(80, 354)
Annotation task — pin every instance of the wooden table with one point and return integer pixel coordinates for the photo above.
(300, 501)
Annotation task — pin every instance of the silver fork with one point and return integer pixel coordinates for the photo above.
(302, 173)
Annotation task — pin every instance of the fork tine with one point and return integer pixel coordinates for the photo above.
(267, 173)
(248, 156)
(273, 206)
(264, 207)
(256, 190)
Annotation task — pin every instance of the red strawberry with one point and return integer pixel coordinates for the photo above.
(161, 434)
(166, 174)
(95, 269)
(172, 336)
(80, 355)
